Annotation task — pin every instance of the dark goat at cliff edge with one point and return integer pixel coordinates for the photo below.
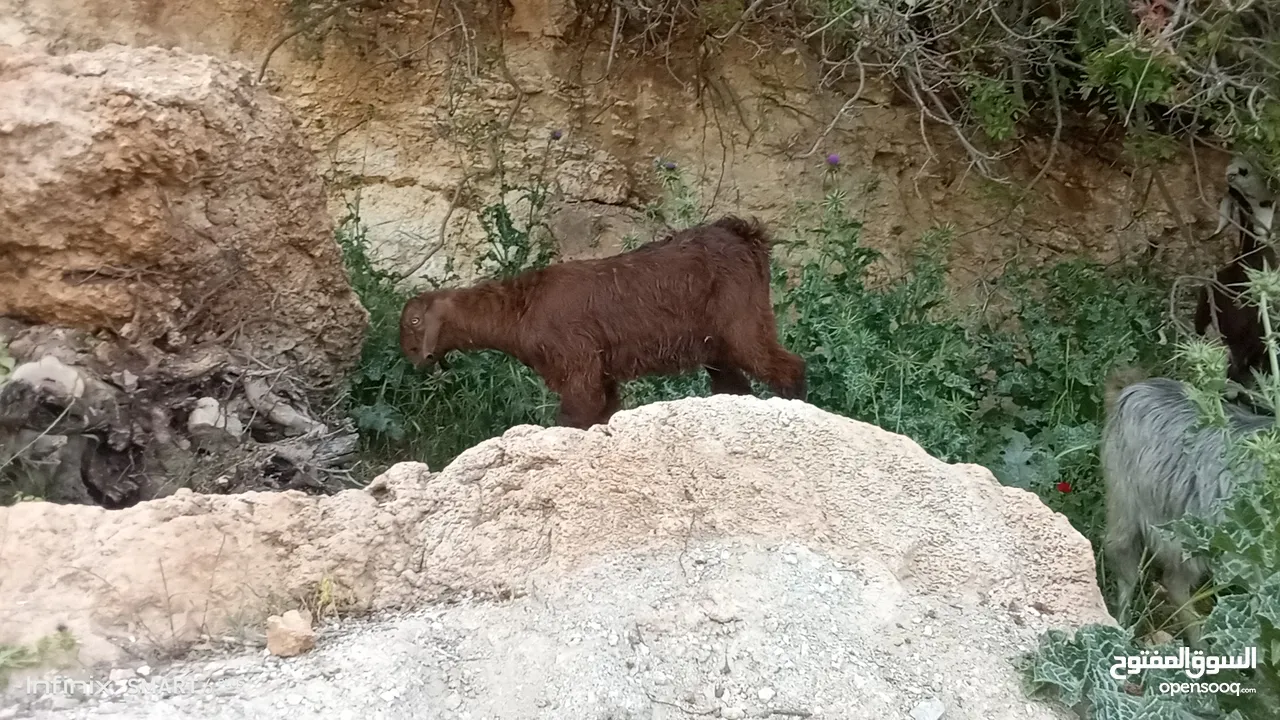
(1250, 206)
(697, 298)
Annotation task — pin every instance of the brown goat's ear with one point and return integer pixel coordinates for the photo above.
(443, 305)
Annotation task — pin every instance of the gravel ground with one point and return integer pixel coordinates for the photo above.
(728, 629)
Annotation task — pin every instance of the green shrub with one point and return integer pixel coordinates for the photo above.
(999, 72)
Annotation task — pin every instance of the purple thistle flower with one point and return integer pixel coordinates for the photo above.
(833, 159)
(556, 134)
(670, 165)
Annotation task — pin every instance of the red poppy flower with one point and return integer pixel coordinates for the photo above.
(1064, 487)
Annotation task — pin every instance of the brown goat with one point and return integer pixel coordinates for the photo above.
(1250, 205)
(696, 298)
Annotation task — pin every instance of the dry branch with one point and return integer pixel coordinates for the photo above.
(301, 28)
(84, 432)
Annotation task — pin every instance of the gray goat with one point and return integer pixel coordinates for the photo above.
(1158, 464)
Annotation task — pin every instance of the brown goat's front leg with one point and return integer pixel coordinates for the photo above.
(613, 399)
(583, 404)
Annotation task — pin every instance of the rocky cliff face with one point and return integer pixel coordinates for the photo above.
(156, 194)
(420, 117)
(169, 270)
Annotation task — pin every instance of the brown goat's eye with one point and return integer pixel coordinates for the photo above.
(415, 321)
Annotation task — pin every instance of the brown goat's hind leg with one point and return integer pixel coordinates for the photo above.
(752, 345)
(728, 380)
(783, 371)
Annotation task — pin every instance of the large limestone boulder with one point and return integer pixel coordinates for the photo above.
(807, 552)
(166, 245)
(157, 194)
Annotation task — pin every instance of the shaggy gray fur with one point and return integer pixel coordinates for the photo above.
(1157, 464)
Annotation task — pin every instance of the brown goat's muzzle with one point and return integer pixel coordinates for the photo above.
(429, 362)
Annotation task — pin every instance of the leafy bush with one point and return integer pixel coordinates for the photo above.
(994, 69)
(1243, 551)
(1000, 71)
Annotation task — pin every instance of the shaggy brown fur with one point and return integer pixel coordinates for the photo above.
(1238, 320)
(697, 298)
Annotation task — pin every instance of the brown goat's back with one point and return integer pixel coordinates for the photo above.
(662, 308)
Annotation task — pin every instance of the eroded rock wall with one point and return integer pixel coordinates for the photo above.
(156, 194)
(404, 106)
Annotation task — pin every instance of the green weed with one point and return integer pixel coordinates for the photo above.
(50, 649)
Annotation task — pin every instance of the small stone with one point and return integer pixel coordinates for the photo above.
(931, 709)
(63, 702)
(453, 702)
(613, 639)
(790, 559)
(144, 671)
(120, 675)
(766, 694)
(733, 713)
(290, 634)
(293, 699)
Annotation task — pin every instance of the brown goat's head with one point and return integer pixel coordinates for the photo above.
(420, 324)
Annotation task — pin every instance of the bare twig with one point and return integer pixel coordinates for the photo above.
(742, 19)
(1173, 208)
(304, 27)
(862, 78)
(37, 438)
(494, 152)
(1057, 130)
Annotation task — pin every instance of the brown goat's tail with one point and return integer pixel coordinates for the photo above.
(1119, 379)
(753, 233)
